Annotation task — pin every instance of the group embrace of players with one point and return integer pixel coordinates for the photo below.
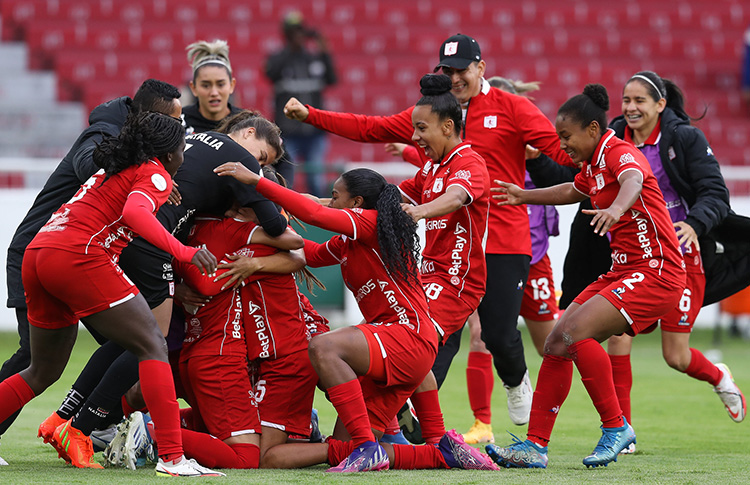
(187, 238)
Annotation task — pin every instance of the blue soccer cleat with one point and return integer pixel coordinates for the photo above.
(520, 454)
(367, 457)
(612, 442)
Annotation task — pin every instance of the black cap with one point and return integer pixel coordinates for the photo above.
(458, 52)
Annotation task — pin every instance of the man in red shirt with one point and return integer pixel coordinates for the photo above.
(498, 125)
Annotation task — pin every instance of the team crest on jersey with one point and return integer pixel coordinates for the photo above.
(619, 292)
(462, 175)
(159, 182)
(490, 121)
(438, 185)
(599, 181)
(626, 158)
(450, 49)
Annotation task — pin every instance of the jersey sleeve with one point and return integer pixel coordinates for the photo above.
(621, 159)
(412, 188)
(309, 211)
(328, 253)
(371, 129)
(469, 175)
(538, 131)
(411, 154)
(581, 183)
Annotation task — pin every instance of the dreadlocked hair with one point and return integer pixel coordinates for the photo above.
(397, 231)
(144, 136)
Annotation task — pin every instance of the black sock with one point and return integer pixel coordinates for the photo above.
(71, 404)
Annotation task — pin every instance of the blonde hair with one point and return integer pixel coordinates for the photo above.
(203, 53)
(515, 87)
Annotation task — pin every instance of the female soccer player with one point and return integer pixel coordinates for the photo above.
(499, 125)
(212, 85)
(82, 241)
(654, 120)
(394, 352)
(645, 281)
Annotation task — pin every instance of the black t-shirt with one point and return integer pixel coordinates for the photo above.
(195, 122)
(205, 192)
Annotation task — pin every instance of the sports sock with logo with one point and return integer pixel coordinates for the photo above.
(622, 374)
(350, 405)
(479, 382)
(552, 388)
(593, 364)
(702, 369)
(427, 406)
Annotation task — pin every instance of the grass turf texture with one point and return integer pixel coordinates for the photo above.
(684, 433)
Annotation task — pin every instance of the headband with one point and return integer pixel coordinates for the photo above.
(213, 60)
(641, 76)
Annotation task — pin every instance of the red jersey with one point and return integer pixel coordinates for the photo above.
(382, 298)
(644, 235)
(454, 250)
(499, 125)
(93, 218)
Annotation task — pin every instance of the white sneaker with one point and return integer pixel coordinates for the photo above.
(100, 438)
(731, 395)
(519, 400)
(184, 468)
(131, 441)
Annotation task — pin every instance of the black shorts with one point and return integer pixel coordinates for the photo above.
(150, 268)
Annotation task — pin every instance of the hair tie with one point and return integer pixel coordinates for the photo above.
(641, 76)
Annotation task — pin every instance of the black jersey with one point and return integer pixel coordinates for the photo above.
(195, 122)
(75, 168)
(205, 192)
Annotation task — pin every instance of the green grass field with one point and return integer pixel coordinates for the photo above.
(684, 433)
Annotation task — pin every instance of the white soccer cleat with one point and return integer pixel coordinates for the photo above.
(131, 441)
(731, 395)
(519, 400)
(184, 468)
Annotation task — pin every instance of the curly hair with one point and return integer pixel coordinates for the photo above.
(397, 231)
(143, 137)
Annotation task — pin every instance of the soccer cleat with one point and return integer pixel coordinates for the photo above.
(612, 442)
(479, 433)
(3, 462)
(131, 442)
(315, 435)
(629, 450)
(458, 454)
(367, 457)
(394, 439)
(184, 468)
(519, 454)
(100, 438)
(74, 446)
(519, 400)
(409, 424)
(731, 395)
(48, 426)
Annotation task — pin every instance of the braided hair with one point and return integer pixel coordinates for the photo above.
(143, 137)
(397, 231)
(590, 106)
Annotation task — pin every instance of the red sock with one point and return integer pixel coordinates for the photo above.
(338, 450)
(423, 457)
(479, 382)
(702, 369)
(350, 405)
(14, 394)
(212, 452)
(158, 392)
(552, 387)
(393, 427)
(596, 374)
(622, 374)
(427, 406)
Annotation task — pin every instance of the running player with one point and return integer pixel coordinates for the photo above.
(645, 262)
(82, 241)
(499, 125)
(654, 120)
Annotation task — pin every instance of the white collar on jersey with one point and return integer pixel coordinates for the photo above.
(485, 86)
(600, 156)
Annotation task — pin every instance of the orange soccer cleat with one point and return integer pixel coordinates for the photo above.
(74, 446)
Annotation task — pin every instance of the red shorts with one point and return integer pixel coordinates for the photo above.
(284, 391)
(447, 309)
(62, 287)
(539, 298)
(219, 389)
(406, 359)
(682, 317)
(641, 294)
